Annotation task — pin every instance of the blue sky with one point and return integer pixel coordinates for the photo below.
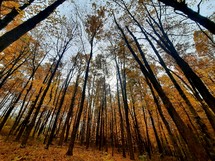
(207, 6)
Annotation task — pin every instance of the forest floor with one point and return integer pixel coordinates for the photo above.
(35, 151)
(11, 151)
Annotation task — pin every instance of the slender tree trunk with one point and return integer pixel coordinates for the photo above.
(83, 128)
(69, 114)
(136, 125)
(105, 117)
(171, 135)
(120, 114)
(42, 127)
(160, 148)
(204, 132)
(76, 125)
(195, 16)
(67, 81)
(125, 101)
(111, 123)
(101, 132)
(32, 123)
(98, 126)
(6, 98)
(39, 120)
(148, 141)
(25, 122)
(13, 105)
(165, 43)
(22, 111)
(10, 72)
(89, 118)
(197, 153)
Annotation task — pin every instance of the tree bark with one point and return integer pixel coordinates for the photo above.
(195, 16)
(76, 125)
(69, 114)
(186, 133)
(13, 35)
(12, 14)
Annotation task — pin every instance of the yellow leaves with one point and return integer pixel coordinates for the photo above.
(201, 42)
(7, 6)
(142, 1)
(93, 25)
(107, 157)
(16, 48)
(22, 13)
(101, 12)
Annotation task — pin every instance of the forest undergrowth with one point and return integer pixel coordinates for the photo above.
(11, 151)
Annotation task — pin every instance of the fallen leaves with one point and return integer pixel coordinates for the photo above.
(10, 151)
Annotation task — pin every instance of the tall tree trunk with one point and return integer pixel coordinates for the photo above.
(69, 114)
(136, 125)
(160, 148)
(125, 101)
(24, 123)
(112, 122)
(76, 125)
(171, 135)
(204, 131)
(13, 13)
(32, 123)
(120, 112)
(195, 16)
(148, 141)
(45, 120)
(13, 35)
(105, 117)
(83, 128)
(13, 104)
(65, 87)
(89, 118)
(197, 153)
(98, 125)
(165, 43)
(39, 120)
(23, 108)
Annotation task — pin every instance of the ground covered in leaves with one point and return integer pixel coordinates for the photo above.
(35, 151)
(11, 151)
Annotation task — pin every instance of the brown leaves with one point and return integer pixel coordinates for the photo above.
(94, 23)
(201, 42)
(10, 151)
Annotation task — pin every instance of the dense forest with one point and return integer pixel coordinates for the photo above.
(122, 77)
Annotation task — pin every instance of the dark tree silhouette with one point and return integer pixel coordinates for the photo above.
(14, 34)
(195, 16)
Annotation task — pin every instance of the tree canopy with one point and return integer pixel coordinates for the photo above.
(119, 76)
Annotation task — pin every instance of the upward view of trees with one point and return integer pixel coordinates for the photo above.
(130, 77)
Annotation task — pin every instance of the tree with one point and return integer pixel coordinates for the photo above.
(72, 104)
(14, 34)
(122, 81)
(13, 13)
(64, 46)
(154, 108)
(183, 129)
(93, 27)
(195, 16)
